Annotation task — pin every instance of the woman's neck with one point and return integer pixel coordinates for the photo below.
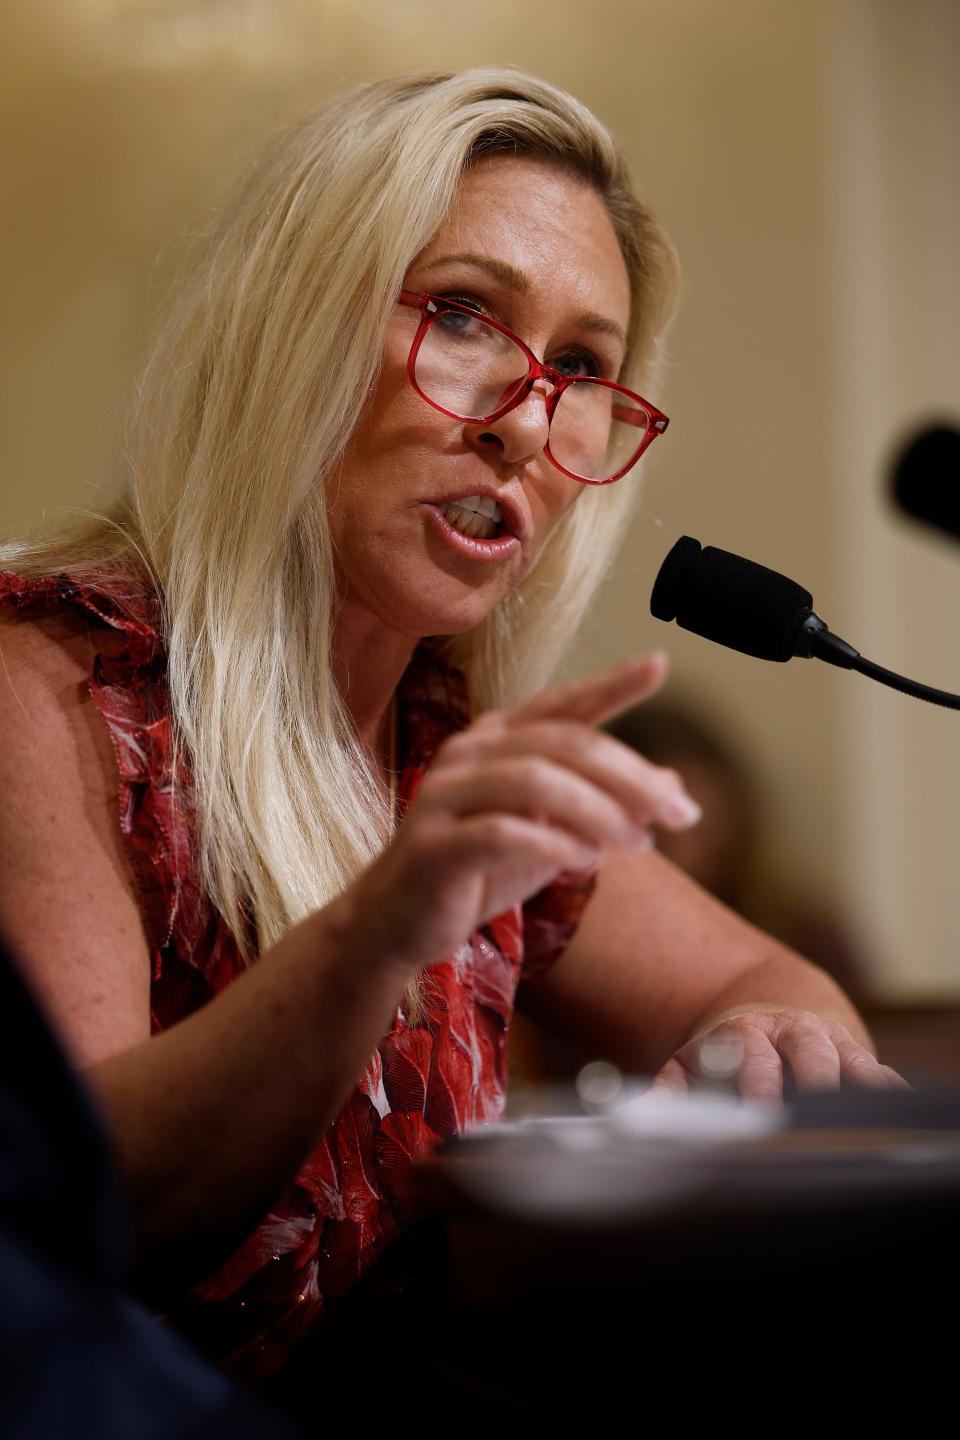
(369, 660)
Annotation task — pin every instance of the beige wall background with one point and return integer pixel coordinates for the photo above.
(805, 156)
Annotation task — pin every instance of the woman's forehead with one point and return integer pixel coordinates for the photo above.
(538, 228)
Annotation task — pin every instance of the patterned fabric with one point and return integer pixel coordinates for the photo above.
(424, 1083)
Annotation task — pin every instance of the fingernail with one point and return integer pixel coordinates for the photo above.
(682, 810)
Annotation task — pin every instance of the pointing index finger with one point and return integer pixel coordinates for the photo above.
(600, 696)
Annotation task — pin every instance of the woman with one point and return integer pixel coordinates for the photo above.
(352, 546)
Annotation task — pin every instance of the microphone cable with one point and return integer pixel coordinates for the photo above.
(835, 651)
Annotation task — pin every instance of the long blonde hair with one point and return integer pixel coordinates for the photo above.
(251, 394)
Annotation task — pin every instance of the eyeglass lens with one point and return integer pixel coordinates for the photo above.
(470, 368)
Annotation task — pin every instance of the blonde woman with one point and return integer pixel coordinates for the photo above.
(360, 527)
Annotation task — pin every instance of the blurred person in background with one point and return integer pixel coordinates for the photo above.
(369, 498)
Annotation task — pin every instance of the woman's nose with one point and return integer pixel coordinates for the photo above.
(519, 436)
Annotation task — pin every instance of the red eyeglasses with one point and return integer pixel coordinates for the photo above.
(472, 368)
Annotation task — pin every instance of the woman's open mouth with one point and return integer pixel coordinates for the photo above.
(475, 515)
(475, 525)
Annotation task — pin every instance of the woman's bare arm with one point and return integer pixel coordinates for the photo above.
(657, 961)
(210, 1119)
(68, 905)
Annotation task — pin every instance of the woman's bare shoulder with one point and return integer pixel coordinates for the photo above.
(64, 633)
(68, 905)
(45, 710)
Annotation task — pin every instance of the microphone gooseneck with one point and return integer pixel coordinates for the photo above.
(749, 608)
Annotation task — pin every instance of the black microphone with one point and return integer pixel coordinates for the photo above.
(925, 482)
(757, 611)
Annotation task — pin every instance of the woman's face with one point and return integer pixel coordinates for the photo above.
(533, 248)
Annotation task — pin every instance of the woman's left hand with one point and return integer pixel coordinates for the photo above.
(749, 1048)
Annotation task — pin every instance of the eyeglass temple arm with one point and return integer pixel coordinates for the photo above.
(640, 419)
(416, 302)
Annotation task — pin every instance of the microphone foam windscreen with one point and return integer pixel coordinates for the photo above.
(730, 600)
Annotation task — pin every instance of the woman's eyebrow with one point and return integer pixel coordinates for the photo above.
(500, 270)
(515, 279)
(600, 325)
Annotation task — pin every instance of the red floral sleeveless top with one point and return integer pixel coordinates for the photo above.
(424, 1083)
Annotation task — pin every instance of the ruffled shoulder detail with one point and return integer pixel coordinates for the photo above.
(128, 686)
(120, 600)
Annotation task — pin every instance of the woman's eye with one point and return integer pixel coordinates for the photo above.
(577, 365)
(454, 322)
(470, 300)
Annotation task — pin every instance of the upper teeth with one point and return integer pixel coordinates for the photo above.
(480, 505)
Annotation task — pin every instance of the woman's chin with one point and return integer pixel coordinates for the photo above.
(445, 609)
(453, 619)
(442, 604)
(423, 597)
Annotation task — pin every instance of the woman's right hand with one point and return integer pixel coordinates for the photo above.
(508, 804)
